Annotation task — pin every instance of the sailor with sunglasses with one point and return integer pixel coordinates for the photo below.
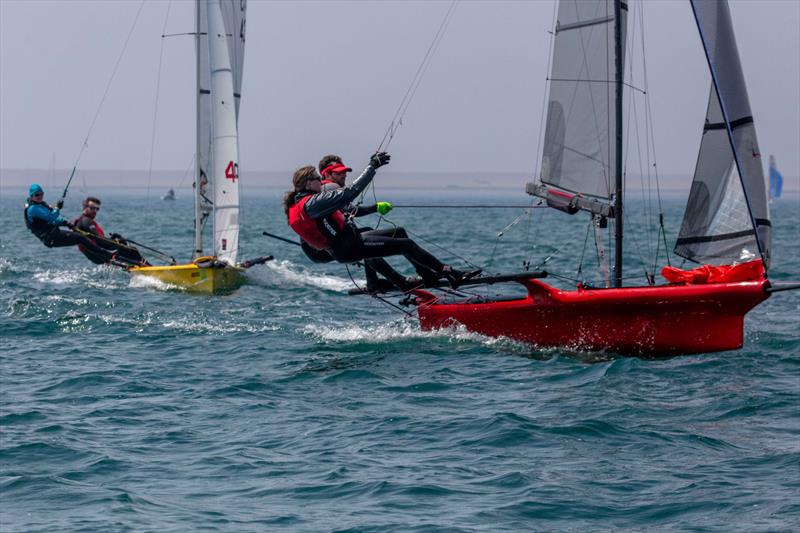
(51, 228)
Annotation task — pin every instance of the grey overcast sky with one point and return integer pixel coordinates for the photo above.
(327, 76)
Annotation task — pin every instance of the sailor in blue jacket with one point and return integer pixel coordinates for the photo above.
(48, 225)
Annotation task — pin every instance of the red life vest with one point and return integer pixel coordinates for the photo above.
(97, 227)
(318, 232)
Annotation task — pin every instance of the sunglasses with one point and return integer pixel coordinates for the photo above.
(93, 207)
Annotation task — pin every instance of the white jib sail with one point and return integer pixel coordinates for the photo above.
(718, 226)
(224, 142)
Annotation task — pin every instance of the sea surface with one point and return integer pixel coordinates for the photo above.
(290, 406)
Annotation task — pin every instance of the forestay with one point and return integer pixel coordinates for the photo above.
(578, 165)
(233, 20)
(728, 195)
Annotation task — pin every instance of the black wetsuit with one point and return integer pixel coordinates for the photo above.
(351, 245)
(124, 252)
(372, 266)
(46, 223)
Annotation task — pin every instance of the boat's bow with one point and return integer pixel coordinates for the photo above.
(203, 275)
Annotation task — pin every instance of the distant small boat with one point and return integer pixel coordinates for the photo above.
(775, 180)
(170, 196)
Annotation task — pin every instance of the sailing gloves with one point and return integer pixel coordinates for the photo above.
(59, 204)
(379, 159)
(383, 208)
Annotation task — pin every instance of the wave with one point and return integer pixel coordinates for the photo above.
(285, 272)
(188, 324)
(404, 330)
(149, 282)
(96, 277)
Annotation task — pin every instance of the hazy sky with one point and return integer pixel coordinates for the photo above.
(327, 76)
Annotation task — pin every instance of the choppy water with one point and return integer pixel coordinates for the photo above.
(288, 405)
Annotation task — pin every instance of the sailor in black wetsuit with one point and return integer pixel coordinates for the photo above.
(334, 175)
(318, 218)
(48, 225)
(87, 223)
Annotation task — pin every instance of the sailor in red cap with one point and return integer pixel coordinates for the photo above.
(334, 175)
(319, 218)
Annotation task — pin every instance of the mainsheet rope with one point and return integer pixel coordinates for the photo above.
(155, 105)
(397, 119)
(85, 143)
(375, 295)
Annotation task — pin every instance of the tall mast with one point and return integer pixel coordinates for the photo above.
(618, 145)
(198, 221)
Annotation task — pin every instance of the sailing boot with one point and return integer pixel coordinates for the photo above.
(403, 283)
(456, 277)
(413, 282)
(380, 285)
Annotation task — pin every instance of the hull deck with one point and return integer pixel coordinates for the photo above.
(661, 320)
(194, 278)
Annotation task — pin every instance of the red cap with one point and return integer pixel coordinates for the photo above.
(336, 167)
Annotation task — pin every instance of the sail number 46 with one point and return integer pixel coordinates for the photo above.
(232, 171)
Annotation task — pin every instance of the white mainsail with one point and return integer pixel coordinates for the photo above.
(233, 16)
(224, 141)
(578, 155)
(728, 196)
(233, 13)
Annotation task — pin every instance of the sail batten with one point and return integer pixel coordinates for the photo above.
(727, 215)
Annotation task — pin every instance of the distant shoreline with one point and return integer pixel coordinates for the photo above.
(181, 181)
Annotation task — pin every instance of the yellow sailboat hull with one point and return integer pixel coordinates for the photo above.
(195, 278)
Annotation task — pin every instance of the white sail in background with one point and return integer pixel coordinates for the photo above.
(578, 152)
(224, 141)
(233, 20)
(717, 225)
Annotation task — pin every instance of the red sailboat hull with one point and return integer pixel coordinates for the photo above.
(661, 320)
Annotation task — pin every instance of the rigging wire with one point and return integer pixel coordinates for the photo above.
(502, 232)
(585, 243)
(376, 296)
(633, 116)
(546, 92)
(450, 252)
(85, 143)
(155, 107)
(433, 206)
(397, 119)
(651, 139)
(187, 172)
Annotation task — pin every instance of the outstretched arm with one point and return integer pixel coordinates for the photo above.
(327, 202)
